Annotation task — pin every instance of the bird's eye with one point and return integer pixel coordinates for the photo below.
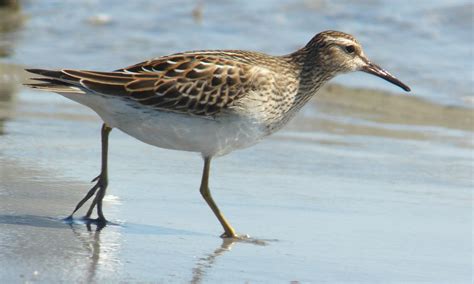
(349, 48)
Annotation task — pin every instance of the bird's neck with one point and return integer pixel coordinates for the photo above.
(312, 75)
(308, 78)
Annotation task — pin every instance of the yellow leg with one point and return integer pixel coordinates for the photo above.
(229, 232)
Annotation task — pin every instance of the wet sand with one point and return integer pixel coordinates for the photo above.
(363, 186)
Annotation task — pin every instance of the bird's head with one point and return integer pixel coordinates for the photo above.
(338, 52)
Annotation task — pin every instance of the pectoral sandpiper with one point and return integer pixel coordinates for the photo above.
(211, 102)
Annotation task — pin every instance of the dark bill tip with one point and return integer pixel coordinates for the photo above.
(380, 72)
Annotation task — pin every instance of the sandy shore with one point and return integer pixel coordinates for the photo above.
(363, 186)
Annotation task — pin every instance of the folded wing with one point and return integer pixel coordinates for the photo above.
(185, 83)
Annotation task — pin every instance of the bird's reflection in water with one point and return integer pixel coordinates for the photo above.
(91, 242)
(205, 263)
(102, 256)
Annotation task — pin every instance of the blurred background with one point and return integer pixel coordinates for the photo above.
(366, 183)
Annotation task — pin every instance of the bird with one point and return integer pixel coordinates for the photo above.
(211, 102)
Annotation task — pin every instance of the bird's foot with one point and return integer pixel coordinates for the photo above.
(235, 236)
(99, 191)
(243, 239)
(97, 221)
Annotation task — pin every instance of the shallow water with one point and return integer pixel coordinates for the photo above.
(363, 186)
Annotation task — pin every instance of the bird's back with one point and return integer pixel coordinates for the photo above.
(201, 83)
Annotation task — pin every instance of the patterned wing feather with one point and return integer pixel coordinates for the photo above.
(185, 83)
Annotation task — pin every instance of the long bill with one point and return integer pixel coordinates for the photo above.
(382, 73)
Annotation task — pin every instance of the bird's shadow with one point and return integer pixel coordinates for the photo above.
(33, 221)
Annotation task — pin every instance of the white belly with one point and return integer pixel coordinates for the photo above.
(211, 137)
